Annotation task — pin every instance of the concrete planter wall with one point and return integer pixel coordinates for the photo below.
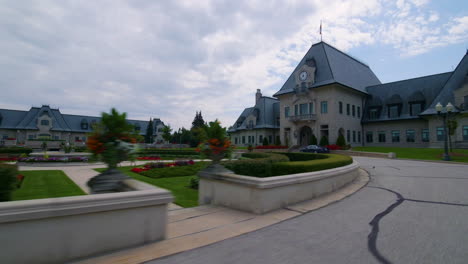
(390, 155)
(62, 229)
(261, 195)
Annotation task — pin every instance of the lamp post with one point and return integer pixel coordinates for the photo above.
(444, 112)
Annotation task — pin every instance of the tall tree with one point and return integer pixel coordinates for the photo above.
(149, 132)
(167, 133)
(198, 121)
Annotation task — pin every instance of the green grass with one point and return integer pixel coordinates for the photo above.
(184, 196)
(460, 155)
(45, 184)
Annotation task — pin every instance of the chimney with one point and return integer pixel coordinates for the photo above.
(258, 95)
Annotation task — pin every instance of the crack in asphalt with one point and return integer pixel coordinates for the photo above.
(374, 223)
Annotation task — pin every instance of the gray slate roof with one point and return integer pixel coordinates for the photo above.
(16, 119)
(411, 90)
(454, 82)
(266, 110)
(333, 66)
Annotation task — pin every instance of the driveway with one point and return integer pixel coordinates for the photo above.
(410, 212)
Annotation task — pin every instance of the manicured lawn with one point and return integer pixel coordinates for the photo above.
(460, 155)
(45, 184)
(184, 195)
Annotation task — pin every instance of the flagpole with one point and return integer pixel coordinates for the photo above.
(320, 30)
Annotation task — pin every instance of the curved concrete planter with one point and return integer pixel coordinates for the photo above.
(58, 230)
(260, 195)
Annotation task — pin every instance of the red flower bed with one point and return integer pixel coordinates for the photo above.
(271, 147)
(333, 147)
(9, 159)
(156, 165)
(148, 158)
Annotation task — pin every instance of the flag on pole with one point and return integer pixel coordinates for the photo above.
(320, 30)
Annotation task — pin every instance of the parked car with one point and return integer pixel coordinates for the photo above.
(315, 149)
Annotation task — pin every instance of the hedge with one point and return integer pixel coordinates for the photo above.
(7, 181)
(260, 164)
(275, 164)
(15, 150)
(177, 171)
(293, 167)
(169, 152)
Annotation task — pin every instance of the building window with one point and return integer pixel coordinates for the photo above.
(410, 135)
(359, 136)
(251, 124)
(260, 139)
(31, 136)
(348, 136)
(235, 140)
(354, 110)
(440, 134)
(465, 102)
(311, 108)
(395, 136)
(56, 137)
(359, 112)
(425, 135)
(415, 109)
(354, 136)
(369, 136)
(340, 107)
(324, 107)
(374, 113)
(382, 136)
(304, 109)
(393, 111)
(243, 139)
(44, 122)
(465, 132)
(286, 111)
(347, 109)
(270, 139)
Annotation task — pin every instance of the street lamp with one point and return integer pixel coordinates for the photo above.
(444, 112)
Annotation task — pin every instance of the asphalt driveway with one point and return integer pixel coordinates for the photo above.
(410, 212)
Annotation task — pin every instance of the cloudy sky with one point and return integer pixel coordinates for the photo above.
(168, 59)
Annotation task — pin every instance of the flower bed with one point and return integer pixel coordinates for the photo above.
(271, 147)
(54, 159)
(156, 165)
(9, 159)
(333, 147)
(149, 158)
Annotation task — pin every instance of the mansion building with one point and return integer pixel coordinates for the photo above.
(330, 93)
(30, 128)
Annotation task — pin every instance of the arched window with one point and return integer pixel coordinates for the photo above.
(84, 124)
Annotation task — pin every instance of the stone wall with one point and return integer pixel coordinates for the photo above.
(59, 230)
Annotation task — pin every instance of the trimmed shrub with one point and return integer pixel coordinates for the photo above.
(8, 181)
(277, 141)
(313, 140)
(300, 156)
(324, 141)
(194, 182)
(15, 150)
(271, 147)
(340, 141)
(260, 164)
(265, 141)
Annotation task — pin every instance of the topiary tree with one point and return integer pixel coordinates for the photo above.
(277, 141)
(452, 125)
(324, 141)
(313, 140)
(149, 132)
(265, 141)
(340, 141)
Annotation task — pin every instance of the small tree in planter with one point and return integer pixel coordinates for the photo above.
(265, 141)
(313, 140)
(340, 141)
(8, 179)
(112, 141)
(218, 145)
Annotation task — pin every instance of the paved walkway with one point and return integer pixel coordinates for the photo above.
(196, 227)
(410, 212)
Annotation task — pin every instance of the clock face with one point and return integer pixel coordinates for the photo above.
(303, 76)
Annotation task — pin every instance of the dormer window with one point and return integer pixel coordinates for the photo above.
(416, 103)
(84, 124)
(251, 124)
(374, 112)
(44, 122)
(416, 108)
(394, 105)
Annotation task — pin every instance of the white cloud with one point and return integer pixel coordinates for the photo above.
(168, 59)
